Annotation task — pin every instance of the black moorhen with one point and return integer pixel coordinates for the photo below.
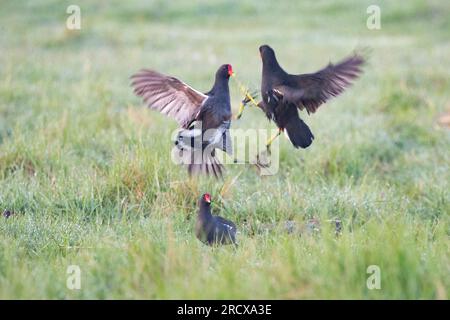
(283, 93)
(213, 230)
(190, 107)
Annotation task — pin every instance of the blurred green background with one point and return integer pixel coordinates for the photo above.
(86, 168)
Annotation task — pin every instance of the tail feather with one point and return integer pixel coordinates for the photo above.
(209, 166)
(299, 133)
(197, 155)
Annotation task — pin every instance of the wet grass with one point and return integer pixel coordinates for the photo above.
(87, 172)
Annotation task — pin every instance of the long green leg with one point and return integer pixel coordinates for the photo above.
(269, 142)
(248, 97)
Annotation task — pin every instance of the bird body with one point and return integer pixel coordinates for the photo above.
(211, 229)
(211, 110)
(214, 118)
(283, 94)
(217, 107)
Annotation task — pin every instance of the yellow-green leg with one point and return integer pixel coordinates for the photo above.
(269, 142)
(248, 98)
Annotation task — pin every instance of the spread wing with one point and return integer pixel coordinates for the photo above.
(168, 95)
(312, 90)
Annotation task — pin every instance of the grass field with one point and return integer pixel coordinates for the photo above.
(86, 168)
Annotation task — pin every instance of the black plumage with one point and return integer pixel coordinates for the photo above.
(283, 93)
(213, 230)
(211, 112)
(8, 213)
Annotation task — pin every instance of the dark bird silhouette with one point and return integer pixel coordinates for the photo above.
(211, 229)
(8, 213)
(283, 93)
(210, 112)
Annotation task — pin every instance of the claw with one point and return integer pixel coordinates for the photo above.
(251, 97)
(248, 97)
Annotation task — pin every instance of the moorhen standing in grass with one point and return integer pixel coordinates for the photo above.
(188, 107)
(213, 230)
(283, 93)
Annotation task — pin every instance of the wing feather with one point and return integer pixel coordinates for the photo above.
(168, 95)
(312, 90)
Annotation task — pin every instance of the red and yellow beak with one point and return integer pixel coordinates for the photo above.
(207, 197)
(230, 70)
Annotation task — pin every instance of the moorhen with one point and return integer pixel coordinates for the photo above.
(191, 108)
(283, 93)
(213, 230)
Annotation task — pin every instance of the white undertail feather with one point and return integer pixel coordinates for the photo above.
(287, 135)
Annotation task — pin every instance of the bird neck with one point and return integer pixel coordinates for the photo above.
(271, 66)
(205, 210)
(220, 87)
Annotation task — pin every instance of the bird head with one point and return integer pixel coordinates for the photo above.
(225, 71)
(206, 198)
(266, 52)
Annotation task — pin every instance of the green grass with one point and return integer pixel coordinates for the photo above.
(85, 167)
